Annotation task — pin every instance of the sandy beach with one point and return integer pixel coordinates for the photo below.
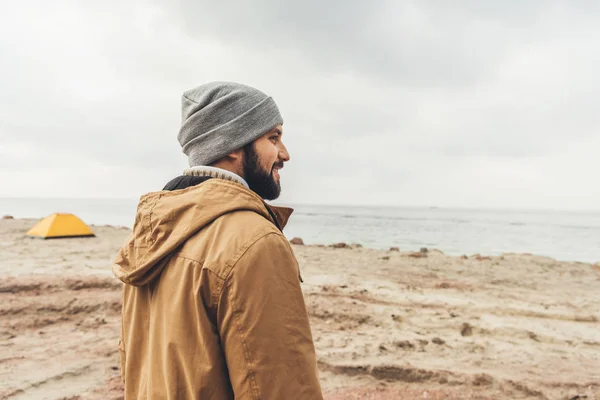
(386, 324)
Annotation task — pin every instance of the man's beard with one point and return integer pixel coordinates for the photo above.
(261, 182)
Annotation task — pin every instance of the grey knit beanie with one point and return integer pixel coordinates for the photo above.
(221, 117)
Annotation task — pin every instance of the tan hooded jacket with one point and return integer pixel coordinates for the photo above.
(212, 305)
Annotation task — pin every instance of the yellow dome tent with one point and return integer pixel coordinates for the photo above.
(60, 226)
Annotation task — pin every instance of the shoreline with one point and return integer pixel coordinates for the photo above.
(349, 245)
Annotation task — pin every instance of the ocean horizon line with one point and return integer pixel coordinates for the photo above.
(333, 205)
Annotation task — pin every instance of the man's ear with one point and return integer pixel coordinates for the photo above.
(236, 155)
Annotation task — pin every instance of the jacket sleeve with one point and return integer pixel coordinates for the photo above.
(264, 328)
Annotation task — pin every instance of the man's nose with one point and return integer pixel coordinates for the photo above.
(283, 153)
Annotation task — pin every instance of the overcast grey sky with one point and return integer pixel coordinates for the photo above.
(463, 103)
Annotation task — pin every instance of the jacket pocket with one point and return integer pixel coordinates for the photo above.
(122, 356)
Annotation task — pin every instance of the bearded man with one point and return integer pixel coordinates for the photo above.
(212, 304)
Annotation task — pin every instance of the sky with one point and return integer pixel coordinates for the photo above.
(468, 103)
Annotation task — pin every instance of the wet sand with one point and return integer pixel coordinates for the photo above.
(386, 324)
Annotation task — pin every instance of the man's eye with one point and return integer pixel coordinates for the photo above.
(274, 137)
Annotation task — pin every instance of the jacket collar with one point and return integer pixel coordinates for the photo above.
(280, 215)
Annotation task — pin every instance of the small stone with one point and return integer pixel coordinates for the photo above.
(339, 246)
(356, 246)
(464, 257)
(483, 380)
(437, 340)
(297, 241)
(385, 257)
(396, 318)
(418, 255)
(394, 248)
(8, 217)
(466, 329)
(404, 344)
(424, 250)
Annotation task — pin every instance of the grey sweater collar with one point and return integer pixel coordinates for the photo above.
(215, 172)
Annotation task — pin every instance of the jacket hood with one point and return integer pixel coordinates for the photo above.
(166, 219)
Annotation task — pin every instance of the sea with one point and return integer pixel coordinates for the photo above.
(563, 235)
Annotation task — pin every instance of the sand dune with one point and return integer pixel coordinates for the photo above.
(387, 325)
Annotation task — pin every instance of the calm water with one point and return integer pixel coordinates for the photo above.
(563, 235)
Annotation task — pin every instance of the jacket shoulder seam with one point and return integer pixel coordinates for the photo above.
(214, 294)
(236, 257)
(188, 258)
(244, 250)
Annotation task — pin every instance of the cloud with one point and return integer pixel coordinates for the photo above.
(408, 103)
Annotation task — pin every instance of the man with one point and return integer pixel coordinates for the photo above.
(212, 305)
